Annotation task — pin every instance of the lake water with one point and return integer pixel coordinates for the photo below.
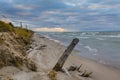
(103, 47)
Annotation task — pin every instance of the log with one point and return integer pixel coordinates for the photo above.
(63, 58)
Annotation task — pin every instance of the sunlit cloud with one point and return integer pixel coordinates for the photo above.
(74, 3)
(45, 29)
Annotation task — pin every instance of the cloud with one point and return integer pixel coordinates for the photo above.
(104, 6)
(68, 14)
(45, 29)
(19, 6)
(24, 13)
(7, 1)
(74, 3)
(99, 6)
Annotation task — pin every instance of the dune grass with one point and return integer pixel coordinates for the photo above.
(23, 34)
(52, 75)
(22, 37)
(4, 27)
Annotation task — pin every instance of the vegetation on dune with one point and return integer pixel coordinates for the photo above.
(4, 27)
(17, 61)
(1, 41)
(52, 75)
(12, 40)
(23, 34)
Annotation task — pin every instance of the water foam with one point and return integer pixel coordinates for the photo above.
(91, 49)
(100, 39)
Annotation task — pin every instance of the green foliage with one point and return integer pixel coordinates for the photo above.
(4, 27)
(23, 34)
(22, 37)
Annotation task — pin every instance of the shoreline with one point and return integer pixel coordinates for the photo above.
(78, 51)
(45, 54)
(101, 72)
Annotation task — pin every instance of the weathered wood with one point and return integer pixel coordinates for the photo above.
(62, 59)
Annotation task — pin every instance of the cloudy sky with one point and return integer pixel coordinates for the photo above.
(63, 15)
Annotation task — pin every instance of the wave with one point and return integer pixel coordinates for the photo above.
(91, 49)
(55, 40)
(102, 34)
(100, 39)
(111, 36)
(102, 62)
(83, 37)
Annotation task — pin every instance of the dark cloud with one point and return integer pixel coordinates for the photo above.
(68, 14)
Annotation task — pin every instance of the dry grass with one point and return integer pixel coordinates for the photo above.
(52, 75)
(7, 59)
(17, 36)
(1, 40)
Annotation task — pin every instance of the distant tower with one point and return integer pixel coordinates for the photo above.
(26, 27)
(21, 24)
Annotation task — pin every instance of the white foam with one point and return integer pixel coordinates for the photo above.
(112, 36)
(100, 38)
(91, 49)
(84, 37)
(83, 33)
(55, 40)
(95, 54)
(102, 62)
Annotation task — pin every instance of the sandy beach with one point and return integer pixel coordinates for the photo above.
(45, 53)
(48, 56)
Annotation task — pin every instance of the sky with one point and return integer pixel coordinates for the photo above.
(63, 15)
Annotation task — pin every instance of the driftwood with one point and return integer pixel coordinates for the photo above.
(66, 71)
(63, 58)
(74, 68)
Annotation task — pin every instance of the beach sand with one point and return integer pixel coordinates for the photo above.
(45, 53)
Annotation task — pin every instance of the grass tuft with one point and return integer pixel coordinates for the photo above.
(52, 75)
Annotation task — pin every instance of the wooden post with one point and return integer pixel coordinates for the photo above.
(26, 27)
(63, 58)
(21, 24)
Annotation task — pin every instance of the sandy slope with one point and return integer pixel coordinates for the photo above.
(45, 53)
(47, 57)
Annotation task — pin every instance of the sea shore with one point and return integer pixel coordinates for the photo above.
(45, 53)
(49, 55)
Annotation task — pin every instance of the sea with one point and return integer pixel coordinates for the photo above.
(103, 46)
